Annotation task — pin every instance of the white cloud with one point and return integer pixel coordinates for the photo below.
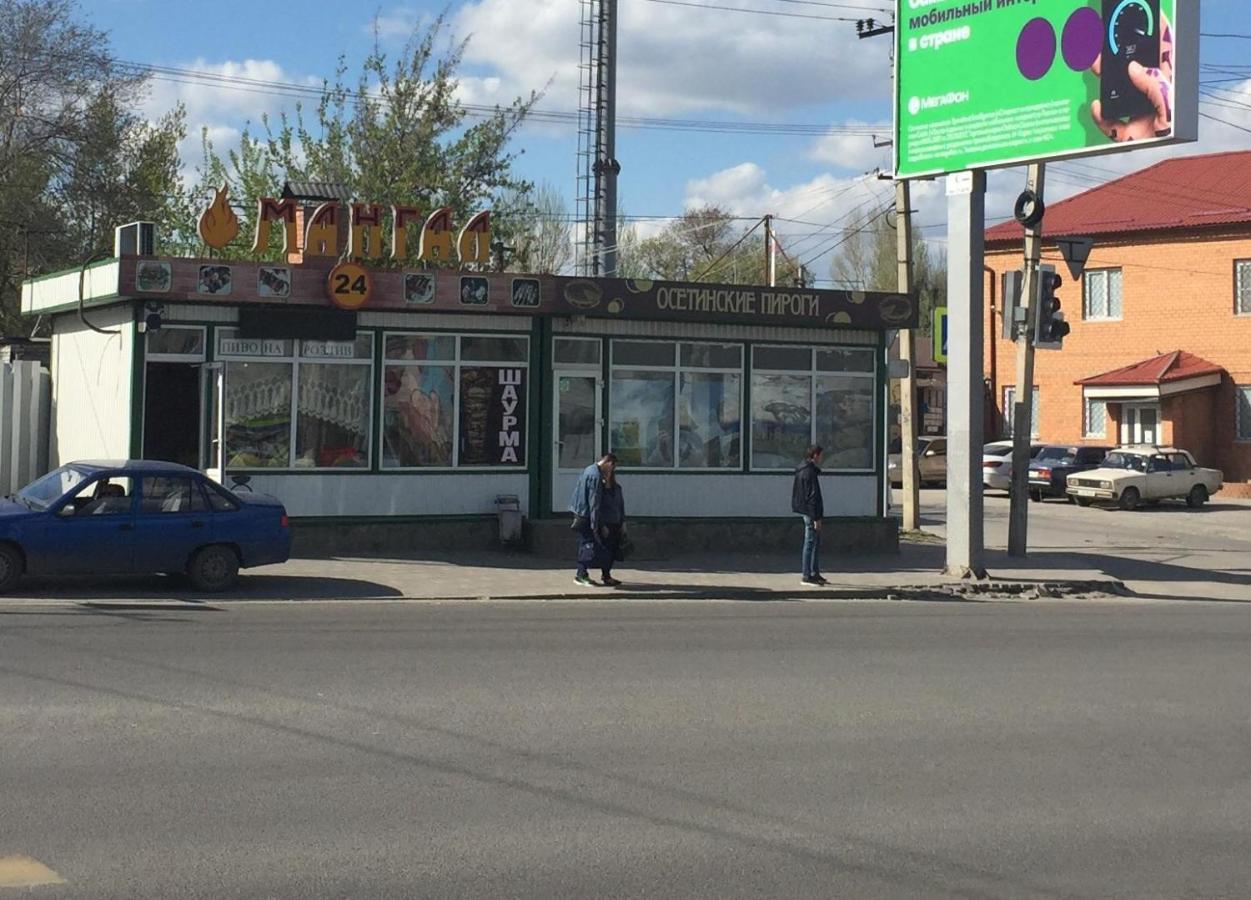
(224, 102)
(858, 152)
(675, 59)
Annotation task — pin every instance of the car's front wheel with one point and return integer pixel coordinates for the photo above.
(1082, 501)
(1197, 497)
(213, 568)
(10, 567)
(1130, 498)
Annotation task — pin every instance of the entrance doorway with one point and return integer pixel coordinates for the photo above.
(1140, 424)
(173, 395)
(577, 425)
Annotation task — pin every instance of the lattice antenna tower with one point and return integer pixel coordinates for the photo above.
(597, 165)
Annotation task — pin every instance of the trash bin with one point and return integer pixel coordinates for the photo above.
(509, 511)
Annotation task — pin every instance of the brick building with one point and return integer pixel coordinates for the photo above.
(1160, 350)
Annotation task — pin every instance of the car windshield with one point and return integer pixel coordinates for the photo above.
(43, 492)
(1131, 461)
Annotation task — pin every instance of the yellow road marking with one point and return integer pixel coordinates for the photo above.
(22, 871)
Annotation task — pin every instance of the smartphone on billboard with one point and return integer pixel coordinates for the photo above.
(1131, 33)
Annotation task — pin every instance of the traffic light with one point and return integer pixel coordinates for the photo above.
(1051, 328)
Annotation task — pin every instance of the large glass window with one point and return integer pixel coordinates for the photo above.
(296, 404)
(1242, 397)
(1103, 294)
(1095, 419)
(1009, 412)
(676, 405)
(802, 396)
(1242, 287)
(454, 401)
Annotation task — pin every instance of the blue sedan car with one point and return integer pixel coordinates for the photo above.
(106, 518)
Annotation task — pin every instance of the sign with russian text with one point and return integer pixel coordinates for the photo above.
(988, 83)
(628, 298)
(492, 416)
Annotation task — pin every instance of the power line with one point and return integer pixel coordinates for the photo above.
(758, 12)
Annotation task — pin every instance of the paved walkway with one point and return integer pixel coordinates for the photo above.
(914, 574)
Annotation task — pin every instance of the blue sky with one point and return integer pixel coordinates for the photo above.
(676, 62)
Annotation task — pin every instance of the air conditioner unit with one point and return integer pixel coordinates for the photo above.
(135, 239)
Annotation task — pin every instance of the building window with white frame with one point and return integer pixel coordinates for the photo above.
(454, 401)
(1095, 418)
(806, 395)
(676, 405)
(1242, 413)
(1009, 412)
(296, 404)
(1102, 295)
(1242, 287)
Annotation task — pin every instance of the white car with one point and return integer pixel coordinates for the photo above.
(997, 464)
(1134, 475)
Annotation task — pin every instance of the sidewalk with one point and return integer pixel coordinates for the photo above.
(914, 574)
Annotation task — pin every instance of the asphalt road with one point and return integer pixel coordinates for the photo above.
(713, 750)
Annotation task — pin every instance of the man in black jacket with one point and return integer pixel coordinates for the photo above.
(806, 500)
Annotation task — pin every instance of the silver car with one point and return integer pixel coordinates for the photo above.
(931, 462)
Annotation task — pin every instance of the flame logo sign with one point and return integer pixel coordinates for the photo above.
(218, 223)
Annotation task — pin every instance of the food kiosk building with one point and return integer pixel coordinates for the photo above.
(427, 393)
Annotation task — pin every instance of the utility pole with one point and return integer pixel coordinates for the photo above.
(907, 390)
(966, 225)
(771, 256)
(1023, 402)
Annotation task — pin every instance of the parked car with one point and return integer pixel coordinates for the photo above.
(1050, 469)
(105, 518)
(931, 462)
(1130, 476)
(997, 464)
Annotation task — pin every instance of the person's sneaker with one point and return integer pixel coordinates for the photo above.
(810, 581)
(584, 580)
(820, 579)
(609, 581)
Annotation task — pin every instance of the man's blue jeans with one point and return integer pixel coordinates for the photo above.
(812, 548)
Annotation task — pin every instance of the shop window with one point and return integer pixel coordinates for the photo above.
(1095, 419)
(802, 396)
(576, 352)
(1242, 397)
(1242, 287)
(297, 404)
(1009, 407)
(453, 401)
(175, 344)
(1103, 294)
(676, 405)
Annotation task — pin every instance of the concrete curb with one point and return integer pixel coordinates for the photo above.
(969, 592)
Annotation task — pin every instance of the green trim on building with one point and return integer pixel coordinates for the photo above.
(138, 365)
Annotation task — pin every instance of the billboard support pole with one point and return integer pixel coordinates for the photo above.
(907, 388)
(1023, 401)
(966, 229)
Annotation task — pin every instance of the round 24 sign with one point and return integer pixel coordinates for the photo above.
(349, 285)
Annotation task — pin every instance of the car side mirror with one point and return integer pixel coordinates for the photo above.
(930, 453)
(66, 512)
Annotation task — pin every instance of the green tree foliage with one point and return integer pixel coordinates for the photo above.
(705, 244)
(76, 159)
(867, 260)
(398, 135)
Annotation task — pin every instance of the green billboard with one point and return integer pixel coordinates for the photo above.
(987, 83)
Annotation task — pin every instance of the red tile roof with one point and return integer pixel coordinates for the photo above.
(1169, 367)
(1185, 192)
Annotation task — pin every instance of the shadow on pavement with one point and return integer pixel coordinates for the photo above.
(168, 588)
